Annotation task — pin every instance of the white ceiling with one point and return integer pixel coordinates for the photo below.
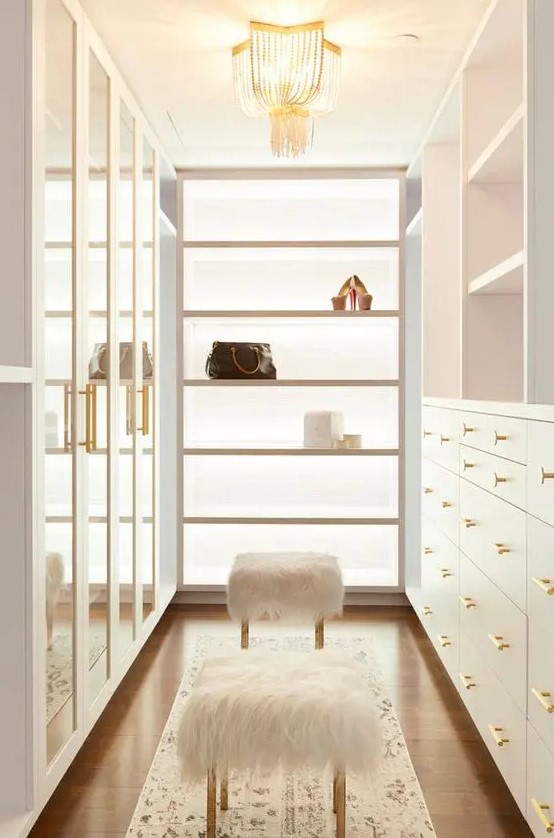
(176, 57)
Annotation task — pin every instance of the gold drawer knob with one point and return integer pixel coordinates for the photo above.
(446, 504)
(445, 572)
(499, 642)
(466, 430)
(427, 433)
(469, 523)
(541, 809)
(468, 465)
(467, 682)
(427, 551)
(497, 735)
(499, 438)
(546, 475)
(500, 548)
(546, 585)
(445, 439)
(427, 491)
(498, 480)
(444, 640)
(545, 699)
(467, 602)
(427, 610)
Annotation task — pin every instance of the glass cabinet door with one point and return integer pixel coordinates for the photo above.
(97, 358)
(59, 358)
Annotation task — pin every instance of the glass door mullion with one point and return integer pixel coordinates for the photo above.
(137, 399)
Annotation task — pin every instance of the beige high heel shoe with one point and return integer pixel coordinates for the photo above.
(355, 290)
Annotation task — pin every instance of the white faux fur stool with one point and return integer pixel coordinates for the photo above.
(285, 586)
(254, 712)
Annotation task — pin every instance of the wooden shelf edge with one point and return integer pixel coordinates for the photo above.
(291, 382)
(513, 124)
(507, 271)
(293, 244)
(15, 375)
(290, 452)
(191, 519)
(200, 314)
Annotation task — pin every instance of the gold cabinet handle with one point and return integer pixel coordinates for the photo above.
(427, 433)
(427, 491)
(467, 602)
(469, 523)
(466, 430)
(445, 572)
(497, 735)
(427, 610)
(500, 548)
(427, 551)
(541, 809)
(446, 504)
(499, 438)
(145, 427)
(499, 642)
(93, 417)
(67, 417)
(467, 682)
(445, 439)
(546, 475)
(87, 444)
(498, 480)
(546, 585)
(468, 465)
(545, 698)
(444, 640)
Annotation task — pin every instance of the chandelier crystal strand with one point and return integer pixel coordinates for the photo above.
(289, 74)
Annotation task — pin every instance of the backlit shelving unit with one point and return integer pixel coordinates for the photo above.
(262, 258)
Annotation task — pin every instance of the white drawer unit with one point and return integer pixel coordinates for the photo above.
(440, 620)
(503, 436)
(540, 785)
(440, 498)
(541, 682)
(540, 574)
(494, 536)
(503, 478)
(498, 628)
(499, 720)
(440, 429)
(540, 471)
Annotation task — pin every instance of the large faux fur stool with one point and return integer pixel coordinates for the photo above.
(253, 712)
(54, 587)
(285, 586)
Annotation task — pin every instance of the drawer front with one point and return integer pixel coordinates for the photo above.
(541, 683)
(497, 627)
(440, 620)
(494, 535)
(440, 436)
(540, 570)
(540, 471)
(440, 562)
(499, 720)
(503, 478)
(540, 785)
(500, 435)
(440, 499)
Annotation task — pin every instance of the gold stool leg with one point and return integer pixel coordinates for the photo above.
(320, 634)
(340, 784)
(244, 634)
(210, 804)
(224, 799)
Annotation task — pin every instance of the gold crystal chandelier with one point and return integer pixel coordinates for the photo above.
(291, 74)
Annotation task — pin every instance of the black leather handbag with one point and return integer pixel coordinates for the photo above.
(240, 360)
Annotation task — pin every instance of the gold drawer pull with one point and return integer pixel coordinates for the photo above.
(427, 551)
(546, 585)
(467, 682)
(545, 699)
(546, 475)
(498, 480)
(540, 809)
(445, 439)
(427, 491)
(446, 504)
(499, 438)
(499, 642)
(467, 602)
(500, 548)
(497, 735)
(427, 433)
(468, 465)
(427, 610)
(444, 640)
(469, 523)
(466, 430)
(445, 572)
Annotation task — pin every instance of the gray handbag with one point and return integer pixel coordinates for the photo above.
(99, 363)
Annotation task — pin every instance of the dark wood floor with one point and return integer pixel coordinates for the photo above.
(464, 792)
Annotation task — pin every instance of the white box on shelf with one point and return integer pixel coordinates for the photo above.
(321, 428)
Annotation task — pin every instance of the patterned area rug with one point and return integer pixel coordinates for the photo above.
(59, 670)
(298, 806)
